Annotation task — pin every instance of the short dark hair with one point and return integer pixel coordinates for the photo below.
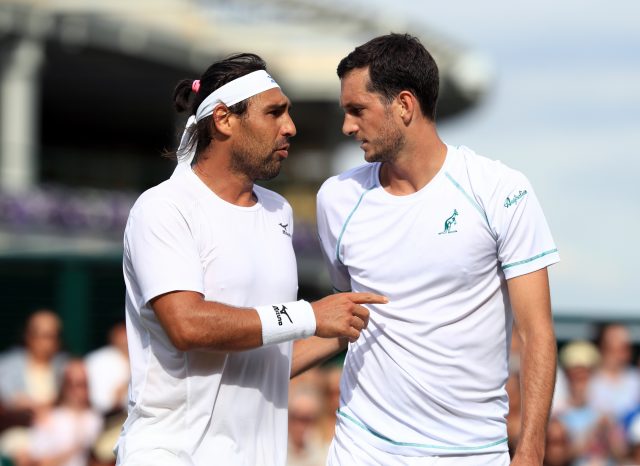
(397, 62)
(216, 76)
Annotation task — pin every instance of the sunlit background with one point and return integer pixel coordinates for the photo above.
(550, 88)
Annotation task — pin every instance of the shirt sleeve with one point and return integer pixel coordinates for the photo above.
(524, 240)
(160, 250)
(329, 226)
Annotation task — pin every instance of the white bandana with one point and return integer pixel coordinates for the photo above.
(230, 94)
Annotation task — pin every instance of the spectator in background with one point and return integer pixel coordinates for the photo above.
(305, 447)
(30, 378)
(64, 435)
(558, 451)
(332, 374)
(579, 359)
(595, 438)
(109, 372)
(31, 375)
(615, 389)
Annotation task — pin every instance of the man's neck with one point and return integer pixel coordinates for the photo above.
(226, 184)
(415, 167)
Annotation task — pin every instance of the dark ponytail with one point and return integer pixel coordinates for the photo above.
(182, 95)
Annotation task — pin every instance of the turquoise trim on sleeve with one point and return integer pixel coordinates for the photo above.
(346, 222)
(531, 259)
(420, 445)
(469, 198)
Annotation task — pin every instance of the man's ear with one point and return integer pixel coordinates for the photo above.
(407, 104)
(221, 120)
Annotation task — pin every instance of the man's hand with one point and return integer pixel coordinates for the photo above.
(341, 315)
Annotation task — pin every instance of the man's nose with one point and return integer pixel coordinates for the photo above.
(348, 126)
(289, 128)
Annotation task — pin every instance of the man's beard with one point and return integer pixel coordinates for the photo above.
(255, 159)
(254, 166)
(387, 145)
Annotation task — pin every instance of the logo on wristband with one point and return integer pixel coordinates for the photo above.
(280, 312)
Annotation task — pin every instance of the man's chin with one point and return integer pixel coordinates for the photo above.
(269, 174)
(371, 158)
(381, 157)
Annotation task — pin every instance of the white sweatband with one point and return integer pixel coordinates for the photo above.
(286, 322)
(236, 91)
(231, 93)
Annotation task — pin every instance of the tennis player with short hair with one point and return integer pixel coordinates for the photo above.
(212, 285)
(460, 246)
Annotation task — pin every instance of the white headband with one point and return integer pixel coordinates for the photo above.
(230, 94)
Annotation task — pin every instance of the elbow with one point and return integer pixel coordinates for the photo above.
(181, 344)
(182, 338)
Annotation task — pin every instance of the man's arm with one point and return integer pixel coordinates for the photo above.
(531, 304)
(312, 351)
(191, 322)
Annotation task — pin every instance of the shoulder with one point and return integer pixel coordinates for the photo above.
(172, 192)
(348, 185)
(173, 198)
(13, 357)
(485, 176)
(482, 166)
(271, 199)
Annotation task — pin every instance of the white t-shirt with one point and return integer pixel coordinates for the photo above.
(108, 370)
(427, 376)
(199, 407)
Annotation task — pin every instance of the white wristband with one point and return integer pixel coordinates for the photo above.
(286, 322)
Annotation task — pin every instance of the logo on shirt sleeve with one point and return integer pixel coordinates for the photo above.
(450, 223)
(515, 198)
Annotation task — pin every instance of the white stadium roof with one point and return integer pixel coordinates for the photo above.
(301, 40)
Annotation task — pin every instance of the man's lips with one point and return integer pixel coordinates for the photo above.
(283, 151)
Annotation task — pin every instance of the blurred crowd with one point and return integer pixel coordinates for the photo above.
(58, 410)
(595, 418)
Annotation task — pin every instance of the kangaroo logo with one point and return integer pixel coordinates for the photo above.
(284, 229)
(449, 223)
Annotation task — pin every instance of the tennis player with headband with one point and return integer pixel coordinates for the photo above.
(211, 303)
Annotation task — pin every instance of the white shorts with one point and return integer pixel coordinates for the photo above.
(364, 455)
(348, 451)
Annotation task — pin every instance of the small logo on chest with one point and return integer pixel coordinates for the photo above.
(284, 227)
(449, 224)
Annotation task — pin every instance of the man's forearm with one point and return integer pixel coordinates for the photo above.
(537, 380)
(312, 351)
